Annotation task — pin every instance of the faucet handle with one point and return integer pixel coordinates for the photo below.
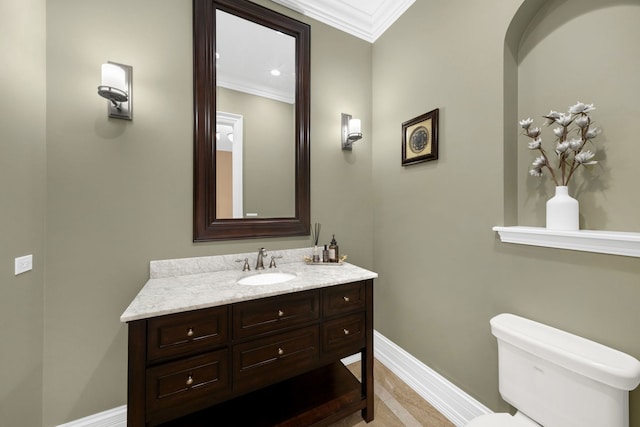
(272, 264)
(245, 267)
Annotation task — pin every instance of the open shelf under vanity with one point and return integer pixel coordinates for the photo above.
(316, 398)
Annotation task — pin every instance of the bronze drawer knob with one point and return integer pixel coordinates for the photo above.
(189, 380)
(346, 299)
(280, 351)
(190, 332)
(280, 313)
(346, 331)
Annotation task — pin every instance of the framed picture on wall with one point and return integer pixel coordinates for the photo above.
(420, 139)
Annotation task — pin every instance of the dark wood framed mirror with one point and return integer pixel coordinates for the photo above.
(291, 215)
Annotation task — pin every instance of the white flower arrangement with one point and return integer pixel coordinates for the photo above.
(570, 152)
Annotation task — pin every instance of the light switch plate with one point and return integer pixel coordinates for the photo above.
(23, 264)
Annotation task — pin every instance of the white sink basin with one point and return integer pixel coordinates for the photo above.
(266, 279)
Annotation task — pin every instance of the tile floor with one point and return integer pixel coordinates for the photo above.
(396, 404)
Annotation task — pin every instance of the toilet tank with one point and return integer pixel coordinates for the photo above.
(562, 380)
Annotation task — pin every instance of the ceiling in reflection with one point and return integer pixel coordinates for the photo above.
(254, 59)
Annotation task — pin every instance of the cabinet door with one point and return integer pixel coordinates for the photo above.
(257, 317)
(187, 333)
(268, 360)
(343, 299)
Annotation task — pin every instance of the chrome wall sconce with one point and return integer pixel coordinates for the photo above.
(116, 87)
(351, 131)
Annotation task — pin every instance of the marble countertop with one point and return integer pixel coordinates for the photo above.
(193, 283)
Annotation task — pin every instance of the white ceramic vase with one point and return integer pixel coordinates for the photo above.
(562, 211)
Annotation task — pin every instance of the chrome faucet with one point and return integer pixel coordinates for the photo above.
(260, 261)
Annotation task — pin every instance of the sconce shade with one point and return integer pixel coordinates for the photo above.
(113, 76)
(351, 131)
(355, 129)
(113, 83)
(116, 87)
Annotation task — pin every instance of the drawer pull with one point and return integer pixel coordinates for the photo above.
(346, 331)
(280, 313)
(280, 351)
(190, 332)
(189, 380)
(346, 299)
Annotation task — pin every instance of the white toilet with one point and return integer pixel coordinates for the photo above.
(557, 379)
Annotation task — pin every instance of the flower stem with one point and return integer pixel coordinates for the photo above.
(546, 160)
(574, 166)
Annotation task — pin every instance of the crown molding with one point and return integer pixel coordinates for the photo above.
(388, 13)
(352, 20)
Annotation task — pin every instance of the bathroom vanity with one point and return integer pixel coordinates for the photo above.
(205, 349)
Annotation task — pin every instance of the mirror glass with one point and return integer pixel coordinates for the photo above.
(255, 123)
(251, 98)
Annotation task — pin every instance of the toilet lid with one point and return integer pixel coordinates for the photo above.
(499, 420)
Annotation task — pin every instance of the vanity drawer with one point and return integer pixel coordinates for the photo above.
(345, 335)
(187, 380)
(271, 359)
(343, 299)
(252, 318)
(188, 332)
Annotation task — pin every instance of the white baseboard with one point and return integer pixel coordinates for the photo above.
(451, 401)
(351, 359)
(446, 397)
(116, 417)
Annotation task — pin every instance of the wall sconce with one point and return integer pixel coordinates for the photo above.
(351, 131)
(116, 87)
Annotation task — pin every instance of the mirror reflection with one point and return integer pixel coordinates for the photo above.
(255, 120)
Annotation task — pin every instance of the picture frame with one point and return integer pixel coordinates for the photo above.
(420, 139)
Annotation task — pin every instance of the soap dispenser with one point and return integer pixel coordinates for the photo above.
(333, 250)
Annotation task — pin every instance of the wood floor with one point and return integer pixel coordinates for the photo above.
(396, 404)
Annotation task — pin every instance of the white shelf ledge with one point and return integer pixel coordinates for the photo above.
(606, 242)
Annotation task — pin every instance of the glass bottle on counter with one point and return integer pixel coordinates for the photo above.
(333, 250)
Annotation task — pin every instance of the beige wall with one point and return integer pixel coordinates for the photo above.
(22, 185)
(443, 272)
(120, 193)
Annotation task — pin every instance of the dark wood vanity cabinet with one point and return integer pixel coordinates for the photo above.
(273, 361)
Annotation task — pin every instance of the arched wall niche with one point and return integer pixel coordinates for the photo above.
(517, 27)
(555, 54)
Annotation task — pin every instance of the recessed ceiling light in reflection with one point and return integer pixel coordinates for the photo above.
(275, 72)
